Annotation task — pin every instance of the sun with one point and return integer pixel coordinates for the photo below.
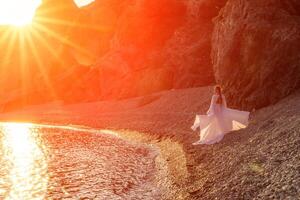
(17, 12)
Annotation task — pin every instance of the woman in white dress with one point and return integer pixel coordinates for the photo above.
(219, 120)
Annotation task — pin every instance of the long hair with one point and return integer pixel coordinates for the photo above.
(218, 90)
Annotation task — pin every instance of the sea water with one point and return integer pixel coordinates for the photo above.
(63, 162)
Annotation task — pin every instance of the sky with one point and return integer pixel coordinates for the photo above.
(83, 2)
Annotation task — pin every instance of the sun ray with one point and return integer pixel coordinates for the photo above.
(71, 24)
(4, 36)
(44, 42)
(46, 10)
(7, 50)
(19, 50)
(10, 47)
(22, 65)
(38, 61)
(43, 20)
(64, 40)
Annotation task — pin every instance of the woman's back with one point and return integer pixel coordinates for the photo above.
(217, 105)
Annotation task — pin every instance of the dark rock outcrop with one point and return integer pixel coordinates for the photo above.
(188, 51)
(255, 52)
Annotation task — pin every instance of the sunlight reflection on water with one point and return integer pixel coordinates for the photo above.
(27, 163)
(65, 162)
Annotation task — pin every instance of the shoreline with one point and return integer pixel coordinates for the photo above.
(171, 163)
(165, 170)
(248, 163)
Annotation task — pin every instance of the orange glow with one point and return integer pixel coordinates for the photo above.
(40, 65)
(40, 58)
(30, 43)
(63, 39)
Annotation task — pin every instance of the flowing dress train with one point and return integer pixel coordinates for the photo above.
(219, 121)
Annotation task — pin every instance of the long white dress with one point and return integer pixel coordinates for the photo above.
(219, 121)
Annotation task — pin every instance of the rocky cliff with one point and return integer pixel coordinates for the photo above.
(147, 46)
(133, 48)
(114, 49)
(255, 52)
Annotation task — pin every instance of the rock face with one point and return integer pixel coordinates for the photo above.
(154, 45)
(114, 49)
(255, 51)
(188, 51)
(132, 66)
(130, 48)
